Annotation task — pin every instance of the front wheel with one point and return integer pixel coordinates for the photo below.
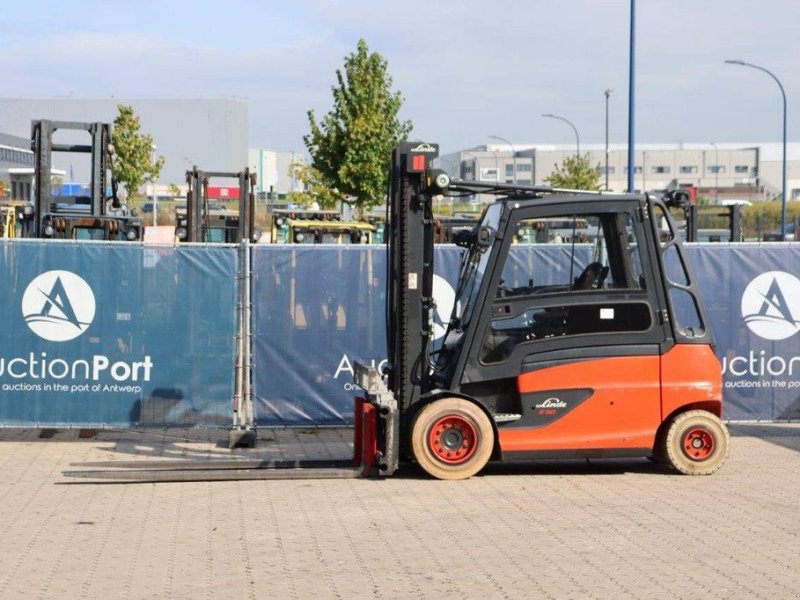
(452, 438)
(696, 443)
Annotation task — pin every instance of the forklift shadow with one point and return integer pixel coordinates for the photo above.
(591, 466)
(166, 443)
(786, 435)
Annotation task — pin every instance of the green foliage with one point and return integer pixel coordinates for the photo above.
(765, 217)
(351, 147)
(576, 173)
(315, 190)
(174, 190)
(133, 161)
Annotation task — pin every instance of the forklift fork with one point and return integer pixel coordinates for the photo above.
(374, 453)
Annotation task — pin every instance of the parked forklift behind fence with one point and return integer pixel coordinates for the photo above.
(99, 216)
(200, 222)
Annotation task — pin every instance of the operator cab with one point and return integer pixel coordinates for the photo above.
(586, 286)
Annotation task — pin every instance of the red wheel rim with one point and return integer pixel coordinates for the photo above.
(698, 443)
(453, 439)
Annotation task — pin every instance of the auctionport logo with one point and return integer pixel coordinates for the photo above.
(58, 306)
(770, 305)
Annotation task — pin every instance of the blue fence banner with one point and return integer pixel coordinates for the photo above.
(124, 335)
(104, 334)
(752, 295)
(316, 310)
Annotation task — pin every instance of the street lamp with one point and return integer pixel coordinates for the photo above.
(155, 197)
(513, 154)
(741, 63)
(716, 173)
(608, 94)
(575, 129)
(631, 96)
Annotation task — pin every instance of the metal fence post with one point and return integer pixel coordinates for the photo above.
(242, 433)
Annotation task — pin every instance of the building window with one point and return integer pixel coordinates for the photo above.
(661, 169)
(716, 168)
(741, 169)
(524, 167)
(635, 170)
(524, 182)
(687, 169)
(489, 175)
(601, 169)
(510, 170)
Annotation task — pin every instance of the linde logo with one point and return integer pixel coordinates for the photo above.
(424, 148)
(552, 403)
(770, 303)
(58, 306)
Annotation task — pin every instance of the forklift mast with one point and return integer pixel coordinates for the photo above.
(112, 221)
(410, 270)
(43, 147)
(199, 225)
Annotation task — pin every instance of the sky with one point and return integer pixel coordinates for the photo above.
(467, 69)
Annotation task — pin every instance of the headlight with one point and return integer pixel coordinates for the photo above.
(28, 210)
(48, 231)
(256, 234)
(299, 237)
(280, 221)
(364, 238)
(131, 235)
(181, 233)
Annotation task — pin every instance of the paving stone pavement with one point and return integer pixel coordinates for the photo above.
(572, 529)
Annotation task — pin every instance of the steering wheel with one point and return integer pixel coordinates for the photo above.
(591, 277)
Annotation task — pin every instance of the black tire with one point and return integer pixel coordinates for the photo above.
(697, 443)
(452, 438)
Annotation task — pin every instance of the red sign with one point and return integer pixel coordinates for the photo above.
(223, 193)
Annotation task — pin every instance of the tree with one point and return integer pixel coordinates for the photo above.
(575, 173)
(315, 190)
(351, 147)
(133, 161)
(174, 190)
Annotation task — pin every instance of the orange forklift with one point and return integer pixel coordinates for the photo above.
(592, 343)
(602, 351)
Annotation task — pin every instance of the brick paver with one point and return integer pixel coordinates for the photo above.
(596, 529)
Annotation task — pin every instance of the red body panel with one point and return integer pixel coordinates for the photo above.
(623, 412)
(632, 395)
(691, 373)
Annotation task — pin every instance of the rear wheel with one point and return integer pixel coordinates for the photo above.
(696, 443)
(452, 438)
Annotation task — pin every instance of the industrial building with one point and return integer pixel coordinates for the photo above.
(272, 168)
(211, 133)
(736, 170)
(16, 168)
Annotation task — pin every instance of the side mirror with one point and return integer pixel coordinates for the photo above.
(485, 236)
(463, 237)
